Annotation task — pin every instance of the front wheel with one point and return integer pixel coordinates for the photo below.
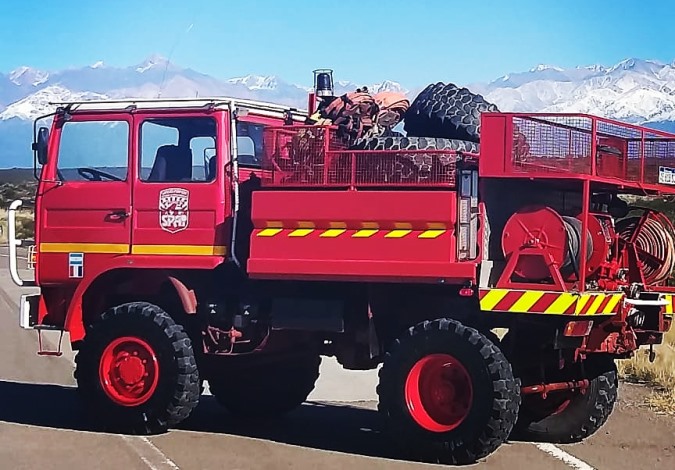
(447, 393)
(136, 370)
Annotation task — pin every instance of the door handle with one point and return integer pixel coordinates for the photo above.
(117, 215)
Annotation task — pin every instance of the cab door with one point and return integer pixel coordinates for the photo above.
(84, 197)
(180, 206)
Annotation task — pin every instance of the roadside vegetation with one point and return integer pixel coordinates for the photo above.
(660, 374)
(9, 191)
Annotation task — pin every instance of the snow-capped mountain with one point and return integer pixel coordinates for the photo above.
(634, 90)
(26, 93)
(37, 104)
(28, 76)
(256, 82)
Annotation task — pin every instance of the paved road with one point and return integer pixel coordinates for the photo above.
(41, 425)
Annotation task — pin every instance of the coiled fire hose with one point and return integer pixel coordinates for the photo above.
(655, 246)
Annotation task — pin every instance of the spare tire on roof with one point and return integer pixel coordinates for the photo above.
(447, 111)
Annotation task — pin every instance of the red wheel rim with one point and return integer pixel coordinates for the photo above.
(129, 371)
(438, 392)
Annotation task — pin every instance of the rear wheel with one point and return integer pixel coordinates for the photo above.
(447, 393)
(570, 416)
(136, 370)
(267, 390)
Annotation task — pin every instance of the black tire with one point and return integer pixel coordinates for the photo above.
(447, 111)
(492, 412)
(414, 143)
(269, 390)
(414, 168)
(489, 334)
(177, 391)
(582, 416)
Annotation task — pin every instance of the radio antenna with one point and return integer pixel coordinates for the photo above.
(168, 60)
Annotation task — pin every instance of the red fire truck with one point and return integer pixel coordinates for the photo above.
(237, 242)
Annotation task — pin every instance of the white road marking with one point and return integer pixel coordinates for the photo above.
(149, 453)
(568, 459)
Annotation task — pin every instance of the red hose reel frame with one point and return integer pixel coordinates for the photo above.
(534, 242)
(649, 248)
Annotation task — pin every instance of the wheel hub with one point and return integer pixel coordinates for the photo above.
(129, 371)
(438, 392)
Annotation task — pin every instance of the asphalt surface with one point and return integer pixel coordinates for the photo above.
(42, 426)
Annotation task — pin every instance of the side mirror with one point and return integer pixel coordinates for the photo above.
(40, 146)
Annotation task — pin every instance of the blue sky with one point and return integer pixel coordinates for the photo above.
(365, 41)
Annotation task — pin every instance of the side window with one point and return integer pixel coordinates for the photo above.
(178, 149)
(93, 151)
(250, 144)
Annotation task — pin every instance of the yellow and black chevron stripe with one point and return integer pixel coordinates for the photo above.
(339, 229)
(550, 303)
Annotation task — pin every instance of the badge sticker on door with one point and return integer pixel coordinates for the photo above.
(174, 214)
(76, 265)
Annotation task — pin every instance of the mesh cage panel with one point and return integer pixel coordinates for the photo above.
(659, 159)
(315, 156)
(551, 144)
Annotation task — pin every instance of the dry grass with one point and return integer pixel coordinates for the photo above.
(660, 374)
(25, 225)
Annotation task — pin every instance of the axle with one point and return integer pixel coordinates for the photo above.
(545, 389)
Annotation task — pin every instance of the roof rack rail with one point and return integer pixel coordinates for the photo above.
(255, 107)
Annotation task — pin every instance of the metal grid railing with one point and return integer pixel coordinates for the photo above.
(314, 156)
(592, 146)
(659, 159)
(551, 144)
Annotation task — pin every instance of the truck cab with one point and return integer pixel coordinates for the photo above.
(122, 182)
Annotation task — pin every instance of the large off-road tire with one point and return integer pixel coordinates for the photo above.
(268, 390)
(447, 111)
(415, 143)
(399, 166)
(136, 370)
(567, 417)
(447, 393)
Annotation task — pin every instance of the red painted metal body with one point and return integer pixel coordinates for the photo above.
(356, 235)
(326, 213)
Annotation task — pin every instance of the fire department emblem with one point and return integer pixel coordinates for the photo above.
(173, 209)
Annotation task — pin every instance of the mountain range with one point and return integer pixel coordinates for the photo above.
(634, 90)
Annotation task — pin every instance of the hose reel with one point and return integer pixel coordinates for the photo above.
(539, 236)
(653, 238)
(556, 236)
